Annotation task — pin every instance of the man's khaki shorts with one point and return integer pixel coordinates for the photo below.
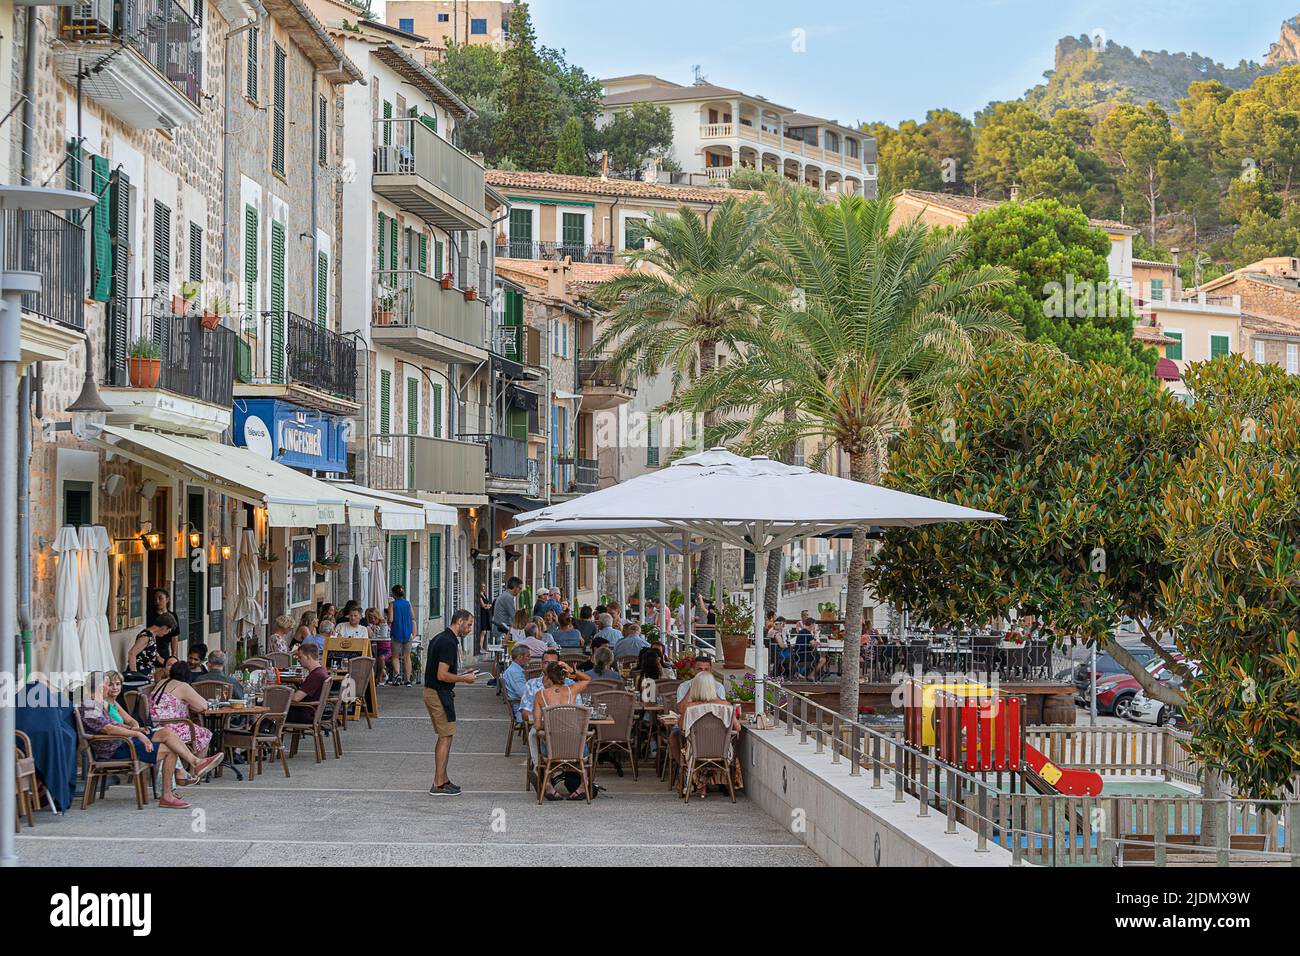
(437, 715)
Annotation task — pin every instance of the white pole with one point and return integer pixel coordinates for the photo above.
(760, 647)
(688, 611)
(664, 609)
(1092, 684)
(641, 592)
(622, 581)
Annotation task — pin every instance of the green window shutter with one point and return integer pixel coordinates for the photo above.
(196, 252)
(412, 406)
(437, 410)
(575, 229)
(385, 400)
(1175, 351)
(388, 124)
(424, 253)
(277, 301)
(117, 313)
(1219, 346)
(277, 120)
(392, 244)
(322, 289)
(250, 70)
(397, 560)
(250, 258)
(1157, 290)
(162, 245)
(73, 164)
(322, 133)
(435, 575)
(437, 258)
(383, 239)
(101, 233)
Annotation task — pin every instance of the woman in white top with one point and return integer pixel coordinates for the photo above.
(522, 617)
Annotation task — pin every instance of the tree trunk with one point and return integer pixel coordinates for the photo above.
(862, 467)
(1152, 687)
(708, 552)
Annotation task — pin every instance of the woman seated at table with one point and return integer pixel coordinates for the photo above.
(649, 666)
(104, 714)
(602, 665)
(307, 627)
(558, 688)
(777, 646)
(521, 621)
(702, 698)
(173, 699)
(566, 635)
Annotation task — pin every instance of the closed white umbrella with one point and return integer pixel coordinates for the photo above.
(247, 612)
(92, 603)
(377, 595)
(63, 662)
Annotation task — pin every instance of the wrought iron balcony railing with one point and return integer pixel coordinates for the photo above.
(40, 241)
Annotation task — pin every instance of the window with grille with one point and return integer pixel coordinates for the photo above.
(323, 289)
(322, 135)
(277, 111)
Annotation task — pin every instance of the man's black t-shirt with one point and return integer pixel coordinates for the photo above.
(445, 648)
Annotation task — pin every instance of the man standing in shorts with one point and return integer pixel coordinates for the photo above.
(440, 680)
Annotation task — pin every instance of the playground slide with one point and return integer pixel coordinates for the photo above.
(1046, 777)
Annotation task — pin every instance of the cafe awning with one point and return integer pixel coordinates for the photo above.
(291, 499)
(400, 512)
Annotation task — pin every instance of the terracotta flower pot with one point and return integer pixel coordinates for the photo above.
(445, 282)
(210, 320)
(471, 295)
(733, 649)
(145, 372)
(383, 317)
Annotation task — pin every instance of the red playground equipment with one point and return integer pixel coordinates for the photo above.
(974, 730)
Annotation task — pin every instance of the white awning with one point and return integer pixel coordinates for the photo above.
(291, 499)
(395, 510)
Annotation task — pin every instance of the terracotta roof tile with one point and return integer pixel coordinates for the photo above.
(614, 188)
(1270, 324)
(971, 205)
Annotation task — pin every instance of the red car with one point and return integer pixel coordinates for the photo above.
(1116, 691)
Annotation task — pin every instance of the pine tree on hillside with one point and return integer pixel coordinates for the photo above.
(527, 132)
(571, 154)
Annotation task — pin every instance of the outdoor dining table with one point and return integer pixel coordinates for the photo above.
(216, 718)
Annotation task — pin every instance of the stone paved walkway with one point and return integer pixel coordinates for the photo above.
(373, 807)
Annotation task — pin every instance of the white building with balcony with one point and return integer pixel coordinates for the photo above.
(717, 130)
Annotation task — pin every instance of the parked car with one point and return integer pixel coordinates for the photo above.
(1145, 710)
(1116, 692)
(1107, 666)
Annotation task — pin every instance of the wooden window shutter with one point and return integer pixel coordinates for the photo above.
(162, 244)
(250, 259)
(412, 406)
(101, 233)
(437, 410)
(385, 401)
(424, 253)
(437, 258)
(382, 241)
(397, 560)
(118, 305)
(388, 124)
(322, 289)
(250, 70)
(196, 252)
(277, 301)
(322, 135)
(277, 128)
(392, 244)
(435, 575)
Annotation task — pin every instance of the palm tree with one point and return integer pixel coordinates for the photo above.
(862, 328)
(663, 313)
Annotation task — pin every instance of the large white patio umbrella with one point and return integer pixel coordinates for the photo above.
(757, 504)
(247, 612)
(63, 662)
(92, 601)
(377, 594)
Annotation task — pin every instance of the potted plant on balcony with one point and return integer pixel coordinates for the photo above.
(815, 572)
(792, 578)
(331, 562)
(471, 293)
(735, 624)
(385, 303)
(827, 610)
(445, 281)
(145, 365)
(217, 306)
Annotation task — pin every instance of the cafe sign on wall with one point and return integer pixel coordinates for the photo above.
(292, 435)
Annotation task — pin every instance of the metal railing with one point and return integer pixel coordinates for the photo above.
(586, 475)
(1049, 829)
(284, 348)
(507, 457)
(194, 361)
(36, 240)
(424, 463)
(413, 299)
(406, 147)
(534, 478)
(596, 370)
(577, 252)
(163, 32)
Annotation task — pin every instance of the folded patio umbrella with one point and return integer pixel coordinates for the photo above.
(247, 612)
(63, 660)
(377, 596)
(92, 603)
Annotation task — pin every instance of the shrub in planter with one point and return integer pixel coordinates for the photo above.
(144, 364)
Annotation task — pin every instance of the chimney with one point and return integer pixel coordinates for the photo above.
(1178, 282)
(1015, 191)
(604, 164)
(557, 277)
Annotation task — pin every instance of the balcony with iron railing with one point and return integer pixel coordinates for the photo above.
(574, 475)
(602, 388)
(414, 313)
(576, 252)
(40, 241)
(421, 463)
(421, 172)
(141, 61)
(286, 353)
(507, 457)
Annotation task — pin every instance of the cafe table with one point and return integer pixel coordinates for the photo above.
(215, 717)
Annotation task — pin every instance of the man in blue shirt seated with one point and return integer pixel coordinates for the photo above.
(514, 677)
(607, 629)
(631, 643)
(548, 601)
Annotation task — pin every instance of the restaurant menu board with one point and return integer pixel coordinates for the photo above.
(135, 589)
(300, 579)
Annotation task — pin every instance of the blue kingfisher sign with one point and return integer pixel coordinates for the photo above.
(290, 434)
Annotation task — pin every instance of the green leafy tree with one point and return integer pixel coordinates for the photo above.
(474, 74)
(527, 132)
(636, 136)
(1052, 248)
(907, 161)
(1139, 144)
(571, 153)
(1235, 597)
(861, 328)
(1076, 457)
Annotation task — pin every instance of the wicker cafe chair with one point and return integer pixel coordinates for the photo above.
(331, 718)
(621, 736)
(26, 788)
(706, 748)
(99, 771)
(514, 726)
(360, 670)
(256, 664)
(278, 660)
(262, 733)
(600, 686)
(212, 689)
(313, 727)
(564, 733)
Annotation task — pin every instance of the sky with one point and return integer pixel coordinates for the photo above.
(887, 59)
